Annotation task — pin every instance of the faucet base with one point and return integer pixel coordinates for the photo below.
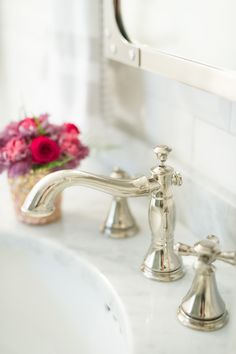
(202, 325)
(161, 263)
(162, 276)
(119, 233)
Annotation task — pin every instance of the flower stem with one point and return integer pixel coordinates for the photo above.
(54, 164)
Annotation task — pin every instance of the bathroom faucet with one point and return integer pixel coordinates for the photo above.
(203, 307)
(161, 262)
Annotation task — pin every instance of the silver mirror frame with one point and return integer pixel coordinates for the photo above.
(205, 77)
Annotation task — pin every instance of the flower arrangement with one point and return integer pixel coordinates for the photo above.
(32, 148)
(34, 143)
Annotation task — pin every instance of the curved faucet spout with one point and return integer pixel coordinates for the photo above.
(40, 201)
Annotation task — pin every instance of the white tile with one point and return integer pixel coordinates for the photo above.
(157, 86)
(126, 101)
(203, 105)
(214, 155)
(231, 227)
(74, 18)
(233, 119)
(168, 125)
(201, 210)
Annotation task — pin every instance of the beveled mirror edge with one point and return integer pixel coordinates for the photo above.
(117, 47)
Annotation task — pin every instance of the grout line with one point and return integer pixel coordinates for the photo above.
(211, 123)
(193, 145)
(230, 118)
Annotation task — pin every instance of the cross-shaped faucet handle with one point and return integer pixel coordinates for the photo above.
(207, 250)
(202, 307)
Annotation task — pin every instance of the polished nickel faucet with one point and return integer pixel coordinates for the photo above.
(203, 307)
(161, 262)
(119, 222)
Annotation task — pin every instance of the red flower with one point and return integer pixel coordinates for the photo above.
(71, 128)
(44, 150)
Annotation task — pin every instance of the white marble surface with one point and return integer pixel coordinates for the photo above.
(54, 302)
(151, 306)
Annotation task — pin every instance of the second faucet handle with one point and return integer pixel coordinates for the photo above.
(207, 250)
(203, 308)
(119, 222)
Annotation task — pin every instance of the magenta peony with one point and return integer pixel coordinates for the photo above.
(44, 150)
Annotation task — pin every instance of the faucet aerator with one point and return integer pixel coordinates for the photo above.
(36, 212)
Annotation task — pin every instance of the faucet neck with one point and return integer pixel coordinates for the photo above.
(40, 201)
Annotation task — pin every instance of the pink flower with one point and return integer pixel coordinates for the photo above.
(54, 131)
(12, 129)
(16, 149)
(70, 148)
(71, 128)
(19, 168)
(2, 140)
(8, 133)
(43, 120)
(44, 150)
(36, 141)
(70, 145)
(28, 126)
(2, 161)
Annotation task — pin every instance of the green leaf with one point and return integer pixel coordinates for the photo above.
(54, 164)
(41, 131)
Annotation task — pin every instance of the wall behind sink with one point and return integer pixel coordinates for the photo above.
(57, 66)
(201, 129)
(50, 59)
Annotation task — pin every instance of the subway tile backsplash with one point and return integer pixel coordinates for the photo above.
(214, 155)
(208, 107)
(201, 129)
(233, 119)
(164, 122)
(54, 66)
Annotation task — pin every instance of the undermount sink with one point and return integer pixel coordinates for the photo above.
(52, 302)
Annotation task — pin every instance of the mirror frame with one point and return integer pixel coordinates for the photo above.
(118, 47)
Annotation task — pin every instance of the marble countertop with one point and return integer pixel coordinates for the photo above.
(151, 306)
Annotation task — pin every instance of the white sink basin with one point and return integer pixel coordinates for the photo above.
(52, 302)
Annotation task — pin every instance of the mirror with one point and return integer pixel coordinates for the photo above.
(201, 30)
(189, 41)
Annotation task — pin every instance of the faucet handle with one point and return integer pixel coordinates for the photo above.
(184, 250)
(119, 222)
(119, 173)
(202, 307)
(207, 250)
(162, 152)
(227, 257)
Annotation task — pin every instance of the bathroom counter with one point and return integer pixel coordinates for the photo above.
(150, 306)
